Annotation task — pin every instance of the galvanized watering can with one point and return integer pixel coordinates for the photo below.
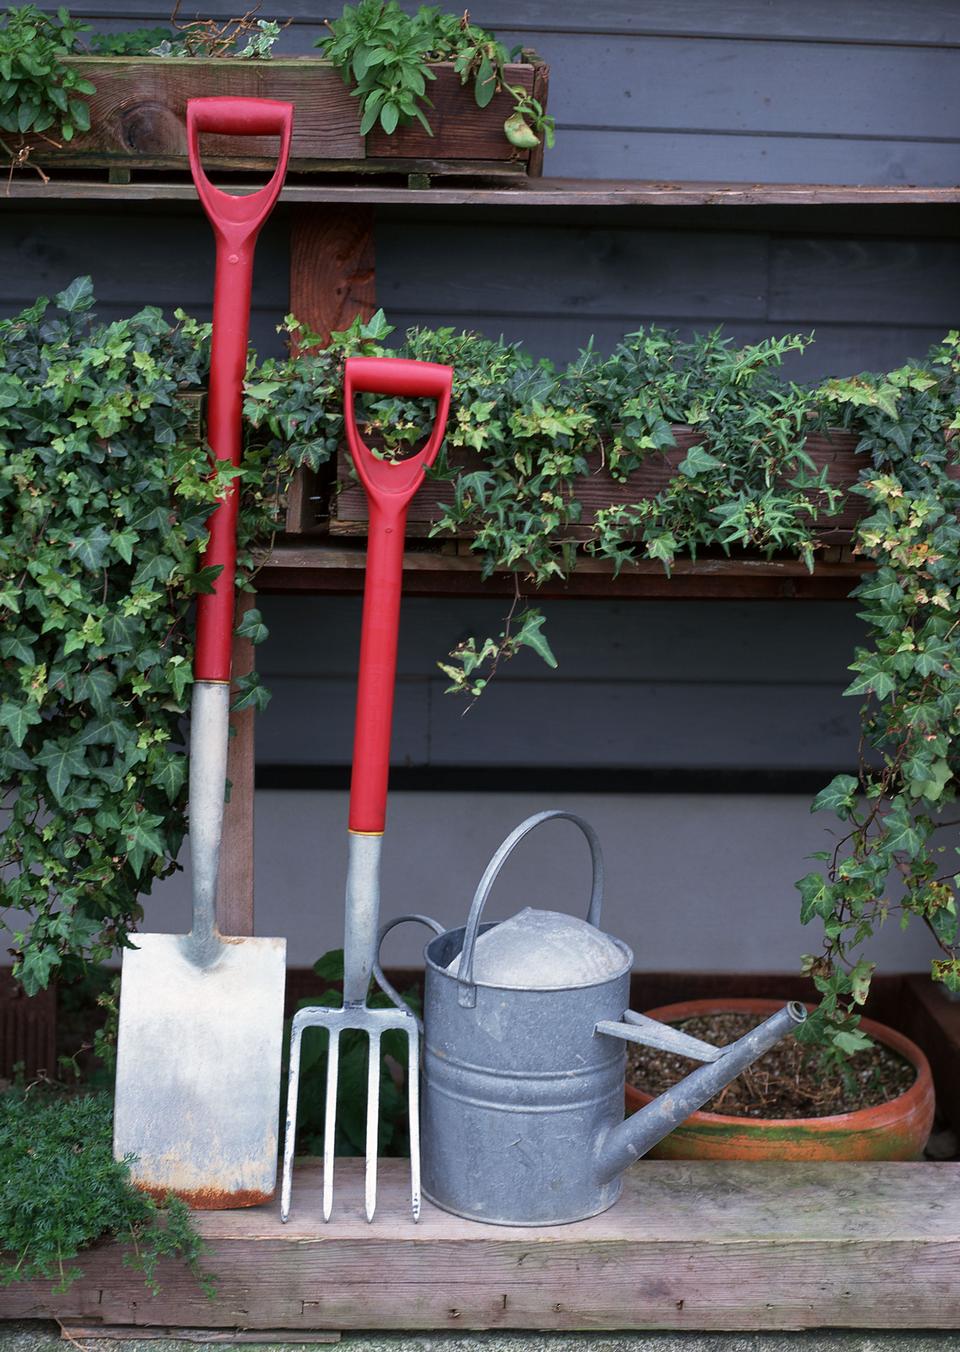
(524, 1058)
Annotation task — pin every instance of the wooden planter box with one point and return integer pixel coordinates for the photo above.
(138, 120)
(596, 490)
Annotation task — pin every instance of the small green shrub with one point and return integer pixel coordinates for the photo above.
(61, 1190)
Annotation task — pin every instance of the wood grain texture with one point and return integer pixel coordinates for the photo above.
(553, 192)
(139, 108)
(324, 567)
(844, 1246)
(235, 875)
(855, 21)
(332, 265)
(28, 1029)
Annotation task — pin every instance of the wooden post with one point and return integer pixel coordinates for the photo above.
(331, 266)
(235, 879)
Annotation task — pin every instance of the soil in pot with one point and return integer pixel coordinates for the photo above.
(878, 1106)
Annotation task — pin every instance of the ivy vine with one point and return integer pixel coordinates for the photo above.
(105, 488)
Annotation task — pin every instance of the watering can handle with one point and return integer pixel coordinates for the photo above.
(468, 990)
(387, 987)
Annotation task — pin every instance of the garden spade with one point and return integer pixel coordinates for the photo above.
(390, 487)
(201, 1014)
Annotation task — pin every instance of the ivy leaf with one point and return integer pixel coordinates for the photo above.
(530, 635)
(251, 693)
(77, 296)
(61, 763)
(839, 796)
(90, 549)
(329, 967)
(817, 897)
(902, 833)
(18, 719)
(96, 686)
(252, 627)
(171, 775)
(109, 730)
(697, 461)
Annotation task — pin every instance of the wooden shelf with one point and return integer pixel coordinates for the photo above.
(703, 1246)
(544, 192)
(323, 566)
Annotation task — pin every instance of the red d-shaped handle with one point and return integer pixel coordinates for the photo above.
(238, 217)
(394, 481)
(389, 487)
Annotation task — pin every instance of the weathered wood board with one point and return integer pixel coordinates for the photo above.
(598, 489)
(689, 1246)
(138, 118)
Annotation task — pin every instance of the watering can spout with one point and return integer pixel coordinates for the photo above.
(622, 1145)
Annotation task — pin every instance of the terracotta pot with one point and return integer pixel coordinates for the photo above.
(896, 1130)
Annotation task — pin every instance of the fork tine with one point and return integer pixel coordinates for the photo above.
(373, 1123)
(413, 1114)
(290, 1125)
(330, 1120)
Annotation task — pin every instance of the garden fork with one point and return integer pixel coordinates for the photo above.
(390, 487)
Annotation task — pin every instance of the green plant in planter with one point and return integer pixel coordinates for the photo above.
(385, 54)
(61, 1190)
(39, 93)
(893, 857)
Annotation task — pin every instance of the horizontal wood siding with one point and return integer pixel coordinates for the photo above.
(758, 90)
(638, 685)
(872, 300)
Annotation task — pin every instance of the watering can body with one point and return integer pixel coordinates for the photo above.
(522, 1081)
(515, 1090)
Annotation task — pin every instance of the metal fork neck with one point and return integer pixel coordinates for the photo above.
(362, 920)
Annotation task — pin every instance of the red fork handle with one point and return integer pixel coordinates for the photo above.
(389, 488)
(236, 224)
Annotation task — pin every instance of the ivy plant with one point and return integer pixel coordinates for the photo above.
(104, 494)
(893, 857)
(385, 54)
(529, 431)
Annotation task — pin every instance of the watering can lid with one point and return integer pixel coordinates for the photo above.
(543, 950)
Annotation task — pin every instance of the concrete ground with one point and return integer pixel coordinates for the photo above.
(45, 1337)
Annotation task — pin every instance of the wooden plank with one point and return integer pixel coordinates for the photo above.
(138, 116)
(553, 192)
(541, 269)
(235, 876)
(855, 21)
(700, 89)
(843, 1246)
(28, 1029)
(597, 490)
(323, 567)
(851, 281)
(317, 638)
(332, 264)
(693, 153)
(630, 724)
